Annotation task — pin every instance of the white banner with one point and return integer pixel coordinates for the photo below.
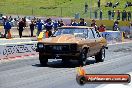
(112, 36)
(13, 50)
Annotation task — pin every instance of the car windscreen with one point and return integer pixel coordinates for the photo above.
(78, 32)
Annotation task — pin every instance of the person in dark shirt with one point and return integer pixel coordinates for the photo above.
(21, 26)
(118, 15)
(24, 20)
(49, 26)
(93, 24)
(32, 26)
(98, 3)
(129, 16)
(86, 7)
(74, 23)
(101, 14)
(109, 14)
(82, 23)
(115, 26)
(61, 23)
(113, 14)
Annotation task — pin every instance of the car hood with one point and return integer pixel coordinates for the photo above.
(66, 38)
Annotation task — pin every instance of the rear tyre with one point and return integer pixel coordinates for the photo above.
(43, 60)
(83, 58)
(100, 56)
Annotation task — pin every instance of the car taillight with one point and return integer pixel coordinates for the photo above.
(73, 47)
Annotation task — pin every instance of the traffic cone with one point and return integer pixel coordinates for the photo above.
(46, 34)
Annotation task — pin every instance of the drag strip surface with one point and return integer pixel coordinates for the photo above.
(28, 73)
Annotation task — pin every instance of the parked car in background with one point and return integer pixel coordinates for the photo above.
(72, 42)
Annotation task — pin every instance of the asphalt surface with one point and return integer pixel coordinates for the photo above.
(15, 40)
(27, 72)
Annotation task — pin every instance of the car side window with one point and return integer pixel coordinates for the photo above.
(95, 33)
(90, 34)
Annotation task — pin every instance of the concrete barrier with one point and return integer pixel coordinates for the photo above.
(18, 49)
(113, 36)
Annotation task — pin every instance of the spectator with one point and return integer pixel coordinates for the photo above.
(24, 20)
(32, 26)
(74, 23)
(39, 25)
(102, 28)
(115, 26)
(82, 22)
(129, 16)
(15, 22)
(108, 4)
(125, 15)
(49, 26)
(96, 14)
(130, 29)
(21, 26)
(55, 25)
(10, 19)
(98, 3)
(86, 7)
(113, 14)
(61, 23)
(7, 27)
(101, 13)
(109, 14)
(116, 4)
(93, 24)
(118, 15)
(128, 4)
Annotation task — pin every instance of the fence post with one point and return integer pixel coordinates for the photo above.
(61, 11)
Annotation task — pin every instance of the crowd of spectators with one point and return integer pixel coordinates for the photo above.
(126, 16)
(48, 25)
(128, 4)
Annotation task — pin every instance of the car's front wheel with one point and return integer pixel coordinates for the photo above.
(83, 57)
(43, 59)
(100, 56)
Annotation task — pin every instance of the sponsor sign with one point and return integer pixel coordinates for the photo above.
(12, 50)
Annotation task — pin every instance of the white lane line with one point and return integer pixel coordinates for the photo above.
(119, 43)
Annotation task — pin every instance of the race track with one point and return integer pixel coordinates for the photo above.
(27, 72)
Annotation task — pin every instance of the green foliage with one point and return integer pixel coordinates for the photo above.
(65, 8)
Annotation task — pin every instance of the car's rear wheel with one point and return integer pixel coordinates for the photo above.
(43, 59)
(83, 57)
(100, 56)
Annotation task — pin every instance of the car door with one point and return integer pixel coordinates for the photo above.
(97, 39)
(91, 42)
